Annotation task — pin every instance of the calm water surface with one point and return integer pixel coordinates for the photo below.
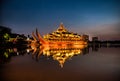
(102, 64)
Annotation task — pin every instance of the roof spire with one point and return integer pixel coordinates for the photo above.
(61, 28)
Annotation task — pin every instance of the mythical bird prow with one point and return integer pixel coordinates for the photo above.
(38, 37)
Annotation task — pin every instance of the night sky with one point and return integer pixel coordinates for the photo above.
(93, 17)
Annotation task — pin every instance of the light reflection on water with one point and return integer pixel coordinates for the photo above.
(81, 64)
(60, 54)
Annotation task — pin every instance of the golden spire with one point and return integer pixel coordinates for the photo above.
(61, 28)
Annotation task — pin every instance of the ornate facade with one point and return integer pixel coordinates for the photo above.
(62, 34)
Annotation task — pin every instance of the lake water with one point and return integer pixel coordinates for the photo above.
(101, 64)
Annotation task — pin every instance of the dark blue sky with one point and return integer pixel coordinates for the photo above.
(93, 17)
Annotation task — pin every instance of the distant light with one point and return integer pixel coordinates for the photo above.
(17, 53)
(6, 55)
(28, 38)
(28, 50)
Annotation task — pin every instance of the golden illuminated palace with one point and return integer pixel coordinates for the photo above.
(60, 44)
(61, 37)
(62, 34)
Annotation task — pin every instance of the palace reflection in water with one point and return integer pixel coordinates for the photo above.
(59, 54)
(101, 64)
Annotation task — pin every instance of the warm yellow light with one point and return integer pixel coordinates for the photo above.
(60, 44)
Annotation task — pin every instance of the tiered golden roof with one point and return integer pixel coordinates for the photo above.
(62, 34)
